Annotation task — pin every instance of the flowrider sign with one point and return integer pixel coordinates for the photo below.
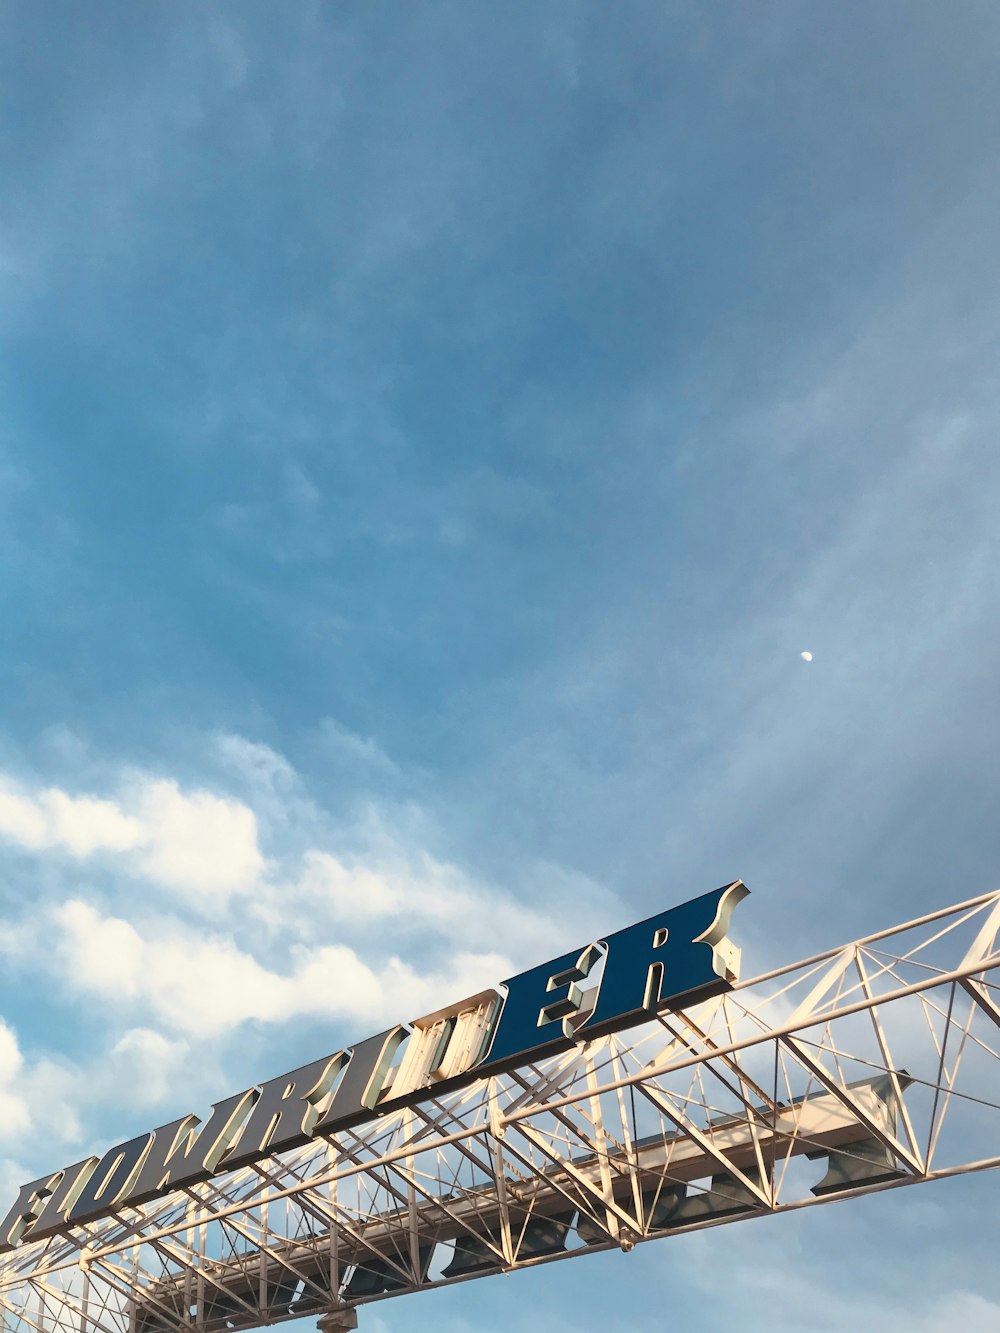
(675, 958)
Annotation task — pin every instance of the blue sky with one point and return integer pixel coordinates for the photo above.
(429, 436)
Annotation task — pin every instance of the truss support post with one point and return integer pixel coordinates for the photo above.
(339, 1320)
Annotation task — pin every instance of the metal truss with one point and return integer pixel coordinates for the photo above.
(866, 1068)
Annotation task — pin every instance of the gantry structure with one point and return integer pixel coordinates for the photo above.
(870, 1067)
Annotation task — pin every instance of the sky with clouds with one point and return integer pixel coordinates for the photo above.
(430, 435)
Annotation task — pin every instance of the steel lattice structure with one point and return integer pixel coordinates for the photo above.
(869, 1067)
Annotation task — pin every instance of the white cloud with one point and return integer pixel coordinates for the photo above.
(11, 1059)
(55, 1095)
(347, 891)
(51, 818)
(198, 843)
(413, 893)
(85, 824)
(22, 820)
(14, 1115)
(381, 932)
(204, 985)
(45, 1102)
(100, 954)
(146, 1063)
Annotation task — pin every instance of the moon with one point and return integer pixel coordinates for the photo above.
(806, 657)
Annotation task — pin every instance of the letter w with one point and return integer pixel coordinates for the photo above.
(180, 1155)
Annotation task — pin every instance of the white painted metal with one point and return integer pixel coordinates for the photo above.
(866, 1068)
